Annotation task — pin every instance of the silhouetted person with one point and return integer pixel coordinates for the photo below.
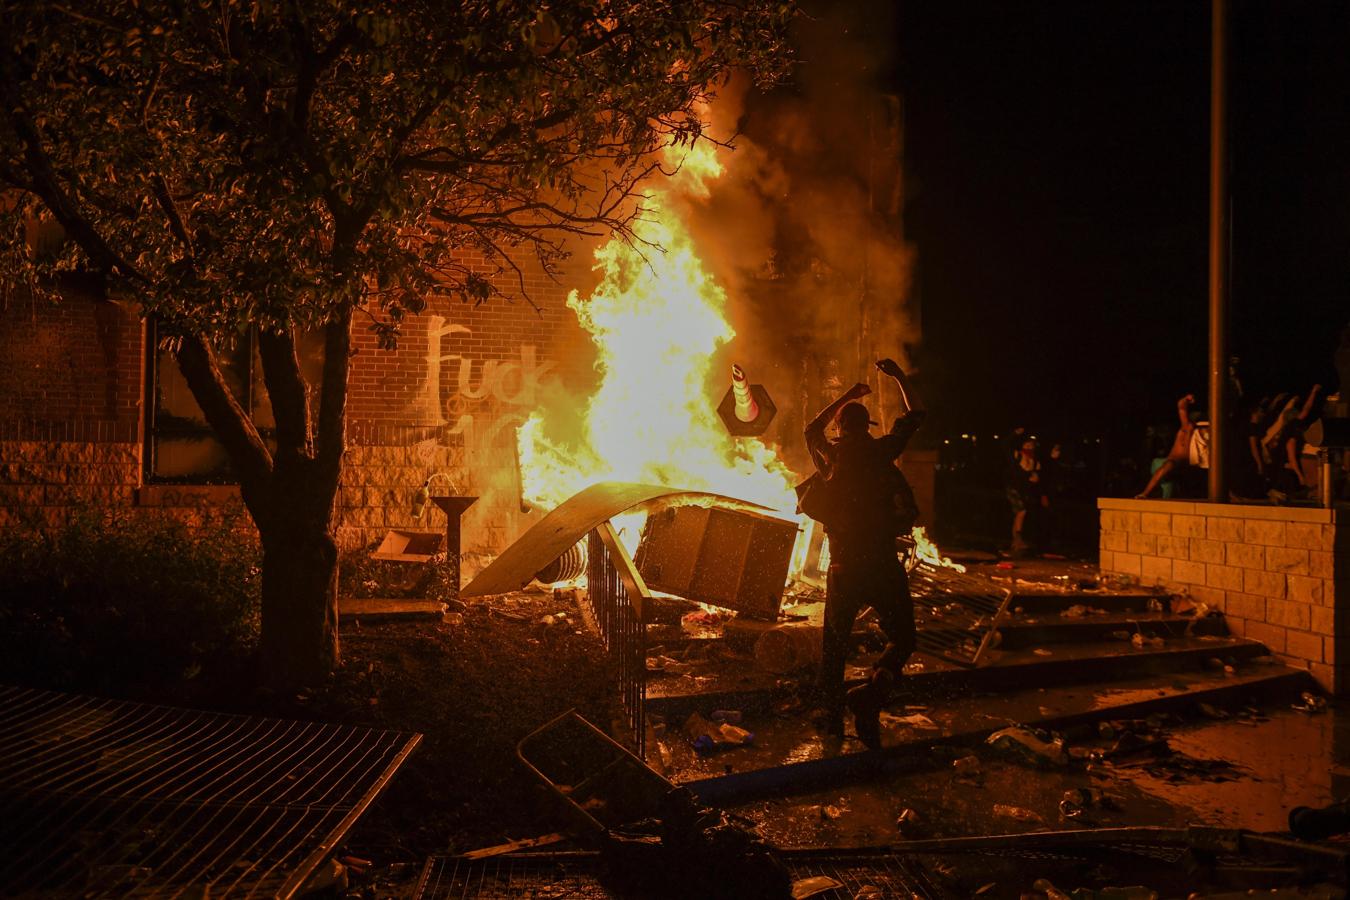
(1180, 454)
(869, 505)
(1026, 492)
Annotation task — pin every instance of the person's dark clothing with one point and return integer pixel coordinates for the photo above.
(1025, 486)
(861, 469)
(1248, 479)
(865, 569)
(884, 586)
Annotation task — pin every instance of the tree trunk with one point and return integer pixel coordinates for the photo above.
(299, 599)
(299, 584)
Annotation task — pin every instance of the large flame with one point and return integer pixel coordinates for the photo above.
(658, 320)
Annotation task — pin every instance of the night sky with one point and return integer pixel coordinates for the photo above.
(1057, 192)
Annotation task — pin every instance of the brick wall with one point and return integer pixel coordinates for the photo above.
(448, 399)
(1280, 575)
(74, 365)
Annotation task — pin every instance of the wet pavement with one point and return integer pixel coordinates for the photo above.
(1266, 767)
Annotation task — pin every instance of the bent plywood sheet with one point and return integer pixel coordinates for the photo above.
(572, 520)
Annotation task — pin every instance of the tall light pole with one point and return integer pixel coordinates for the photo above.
(1218, 250)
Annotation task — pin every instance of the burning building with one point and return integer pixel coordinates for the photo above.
(615, 377)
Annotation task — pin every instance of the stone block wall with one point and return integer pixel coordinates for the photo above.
(1280, 575)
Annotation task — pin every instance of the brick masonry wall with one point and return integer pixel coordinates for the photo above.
(1280, 575)
(448, 400)
(76, 364)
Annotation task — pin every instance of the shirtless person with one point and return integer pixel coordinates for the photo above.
(1180, 454)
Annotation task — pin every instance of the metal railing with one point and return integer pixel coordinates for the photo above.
(957, 615)
(615, 597)
(108, 798)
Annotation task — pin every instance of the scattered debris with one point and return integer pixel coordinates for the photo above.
(831, 812)
(1311, 703)
(911, 825)
(1079, 611)
(914, 720)
(967, 767)
(810, 887)
(707, 737)
(1025, 745)
(523, 844)
(1210, 711)
(1017, 813)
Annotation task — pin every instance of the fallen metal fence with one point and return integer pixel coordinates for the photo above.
(615, 598)
(956, 615)
(109, 798)
(578, 876)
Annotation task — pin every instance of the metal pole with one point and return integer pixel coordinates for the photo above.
(1218, 251)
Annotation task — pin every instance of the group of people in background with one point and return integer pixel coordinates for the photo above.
(1265, 450)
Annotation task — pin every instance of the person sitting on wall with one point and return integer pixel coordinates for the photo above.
(1285, 444)
(861, 498)
(1181, 454)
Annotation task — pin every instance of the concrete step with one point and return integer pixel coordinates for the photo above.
(1027, 631)
(788, 756)
(735, 684)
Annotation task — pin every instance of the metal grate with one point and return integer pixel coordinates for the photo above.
(109, 798)
(615, 594)
(577, 875)
(956, 614)
(539, 877)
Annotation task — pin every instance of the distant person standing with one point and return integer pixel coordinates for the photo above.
(1026, 492)
(867, 504)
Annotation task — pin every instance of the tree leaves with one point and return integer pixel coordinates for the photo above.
(267, 163)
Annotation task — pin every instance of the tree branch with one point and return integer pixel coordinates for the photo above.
(286, 389)
(332, 432)
(46, 185)
(232, 425)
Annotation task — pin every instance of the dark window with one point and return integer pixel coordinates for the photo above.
(179, 445)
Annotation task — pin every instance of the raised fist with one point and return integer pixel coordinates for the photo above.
(890, 367)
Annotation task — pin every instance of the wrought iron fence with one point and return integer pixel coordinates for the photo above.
(615, 597)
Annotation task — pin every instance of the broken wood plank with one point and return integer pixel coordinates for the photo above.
(389, 608)
(523, 844)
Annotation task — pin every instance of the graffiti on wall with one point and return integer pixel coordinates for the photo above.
(474, 405)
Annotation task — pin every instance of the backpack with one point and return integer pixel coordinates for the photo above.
(831, 504)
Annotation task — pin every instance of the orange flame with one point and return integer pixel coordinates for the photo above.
(657, 319)
(928, 552)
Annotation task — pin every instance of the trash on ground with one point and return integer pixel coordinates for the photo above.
(1079, 611)
(707, 737)
(1025, 745)
(1017, 813)
(512, 846)
(911, 825)
(914, 720)
(816, 884)
(967, 767)
(1311, 703)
